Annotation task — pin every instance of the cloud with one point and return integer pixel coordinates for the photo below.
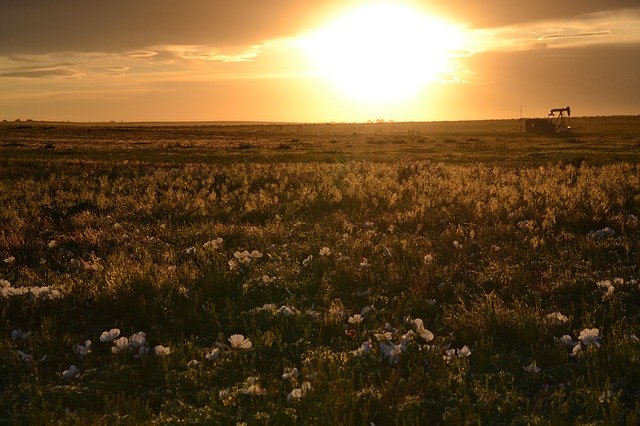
(50, 71)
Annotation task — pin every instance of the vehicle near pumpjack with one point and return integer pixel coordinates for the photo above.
(555, 123)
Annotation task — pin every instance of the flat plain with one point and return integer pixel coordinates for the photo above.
(412, 273)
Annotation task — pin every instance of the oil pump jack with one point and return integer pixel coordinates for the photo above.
(560, 122)
(556, 122)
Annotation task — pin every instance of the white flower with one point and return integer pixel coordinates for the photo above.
(9, 260)
(307, 261)
(366, 310)
(160, 350)
(364, 349)
(4, 283)
(423, 332)
(295, 394)
(391, 352)
(239, 341)
(85, 350)
(325, 251)
(557, 316)
(213, 355)
(268, 280)
(109, 336)
(52, 244)
(213, 244)
(19, 334)
(356, 319)
(567, 340)
(137, 340)
(590, 336)
(576, 349)
(25, 356)
(71, 372)
(449, 355)
(464, 352)
(120, 344)
(289, 373)
(223, 393)
(364, 263)
(254, 388)
(190, 250)
(457, 245)
(428, 258)
(383, 336)
(193, 363)
(233, 264)
(531, 368)
(256, 254)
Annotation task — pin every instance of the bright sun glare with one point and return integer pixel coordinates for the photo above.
(383, 52)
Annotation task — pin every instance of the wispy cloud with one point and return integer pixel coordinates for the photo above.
(612, 27)
(47, 71)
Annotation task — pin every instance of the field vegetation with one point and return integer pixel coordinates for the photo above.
(396, 273)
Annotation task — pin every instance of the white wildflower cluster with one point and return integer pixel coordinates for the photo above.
(391, 342)
(9, 260)
(532, 368)
(213, 244)
(83, 350)
(36, 292)
(325, 251)
(589, 337)
(272, 309)
(451, 354)
(601, 233)
(609, 286)
(252, 387)
(136, 343)
(557, 317)
(243, 258)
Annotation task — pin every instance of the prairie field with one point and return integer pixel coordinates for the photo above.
(381, 273)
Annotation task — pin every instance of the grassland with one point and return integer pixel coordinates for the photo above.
(411, 273)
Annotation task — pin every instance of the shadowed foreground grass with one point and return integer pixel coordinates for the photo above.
(385, 290)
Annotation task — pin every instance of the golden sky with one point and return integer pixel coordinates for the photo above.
(316, 61)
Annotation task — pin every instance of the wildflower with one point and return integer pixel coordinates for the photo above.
(367, 225)
(449, 355)
(193, 363)
(391, 352)
(576, 350)
(364, 349)
(430, 302)
(9, 260)
(428, 258)
(557, 316)
(356, 319)
(109, 336)
(253, 387)
(298, 393)
(290, 373)
(386, 251)
(160, 350)
(19, 334)
(634, 338)
(213, 244)
(71, 372)
(5, 283)
(325, 251)
(602, 233)
(233, 264)
(25, 356)
(464, 352)
(364, 263)
(307, 261)
(85, 350)
(213, 355)
(567, 340)
(590, 336)
(239, 341)
(383, 336)
(423, 332)
(286, 311)
(495, 248)
(266, 279)
(117, 226)
(119, 345)
(52, 244)
(137, 340)
(190, 250)
(457, 245)
(531, 368)
(223, 393)
(255, 254)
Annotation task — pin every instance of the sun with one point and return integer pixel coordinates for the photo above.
(383, 52)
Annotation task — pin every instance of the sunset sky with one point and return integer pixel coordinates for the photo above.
(316, 61)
